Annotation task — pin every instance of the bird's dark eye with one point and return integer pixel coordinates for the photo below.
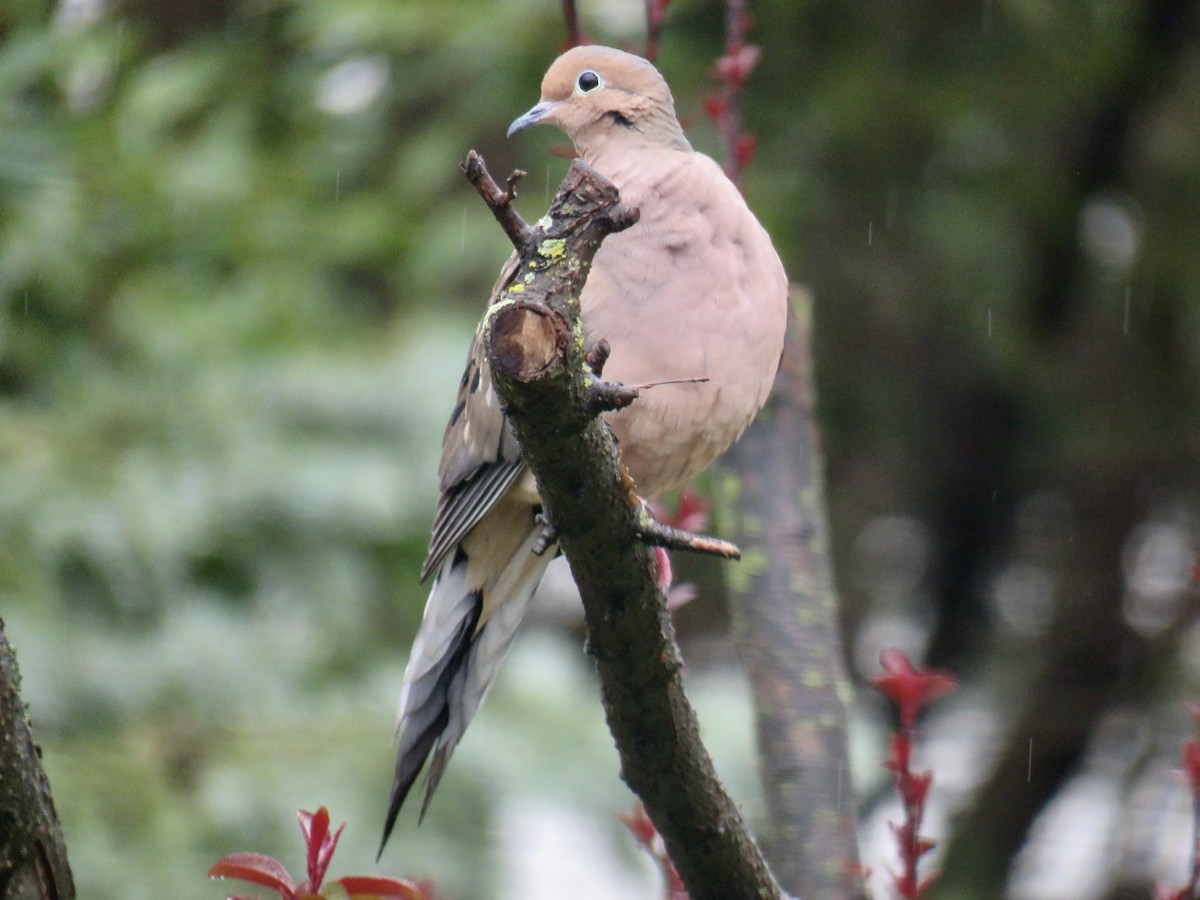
(587, 81)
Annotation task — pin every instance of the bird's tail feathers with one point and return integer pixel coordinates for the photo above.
(453, 663)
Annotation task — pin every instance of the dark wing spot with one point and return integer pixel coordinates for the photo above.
(458, 410)
(623, 121)
(475, 380)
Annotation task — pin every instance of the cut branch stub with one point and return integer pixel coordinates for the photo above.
(526, 341)
(531, 333)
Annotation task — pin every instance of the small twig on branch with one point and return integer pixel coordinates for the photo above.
(725, 107)
(510, 183)
(597, 355)
(498, 201)
(659, 535)
(544, 382)
(608, 396)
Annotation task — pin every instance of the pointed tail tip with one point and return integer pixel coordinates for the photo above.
(388, 824)
(406, 774)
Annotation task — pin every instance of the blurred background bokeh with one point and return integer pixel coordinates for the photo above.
(239, 269)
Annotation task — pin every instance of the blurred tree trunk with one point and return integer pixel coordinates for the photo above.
(1087, 662)
(1090, 660)
(33, 856)
(785, 615)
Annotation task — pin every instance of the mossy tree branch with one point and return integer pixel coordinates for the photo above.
(535, 345)
(784, 610)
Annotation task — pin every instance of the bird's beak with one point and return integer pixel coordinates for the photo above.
(532, 117)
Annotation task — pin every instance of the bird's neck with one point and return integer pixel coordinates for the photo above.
(623, 157)
(616, 136)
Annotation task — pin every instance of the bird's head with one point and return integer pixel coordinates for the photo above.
(598, 95)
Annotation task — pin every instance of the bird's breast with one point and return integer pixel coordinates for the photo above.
(694, 290)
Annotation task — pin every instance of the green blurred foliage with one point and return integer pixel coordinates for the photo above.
(238, 272)
(239, 269)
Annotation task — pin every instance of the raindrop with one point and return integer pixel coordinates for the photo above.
(870, 232)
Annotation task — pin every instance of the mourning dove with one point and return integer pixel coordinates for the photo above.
(693, 290)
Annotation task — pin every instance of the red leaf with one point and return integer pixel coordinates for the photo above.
(923, 845)
(908, 687)
(714, 108)
(743, 151)
(256, 868)
(639, 823)
(691, 510)
(917, 788)
(367, 888)
(691, 513)
(734, 68)
(320, 844)
(1191, 764)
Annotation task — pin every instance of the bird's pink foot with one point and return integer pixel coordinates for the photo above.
(664, 577)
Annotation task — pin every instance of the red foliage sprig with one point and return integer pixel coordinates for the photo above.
(647, 836)
(655, 11)
(1191, 769)
(690, 514)
(319, 844)
(724, 107)
(910, 689)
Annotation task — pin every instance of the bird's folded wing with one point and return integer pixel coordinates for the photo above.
(480, 454)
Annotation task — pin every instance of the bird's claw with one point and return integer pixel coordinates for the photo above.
(547, 536)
